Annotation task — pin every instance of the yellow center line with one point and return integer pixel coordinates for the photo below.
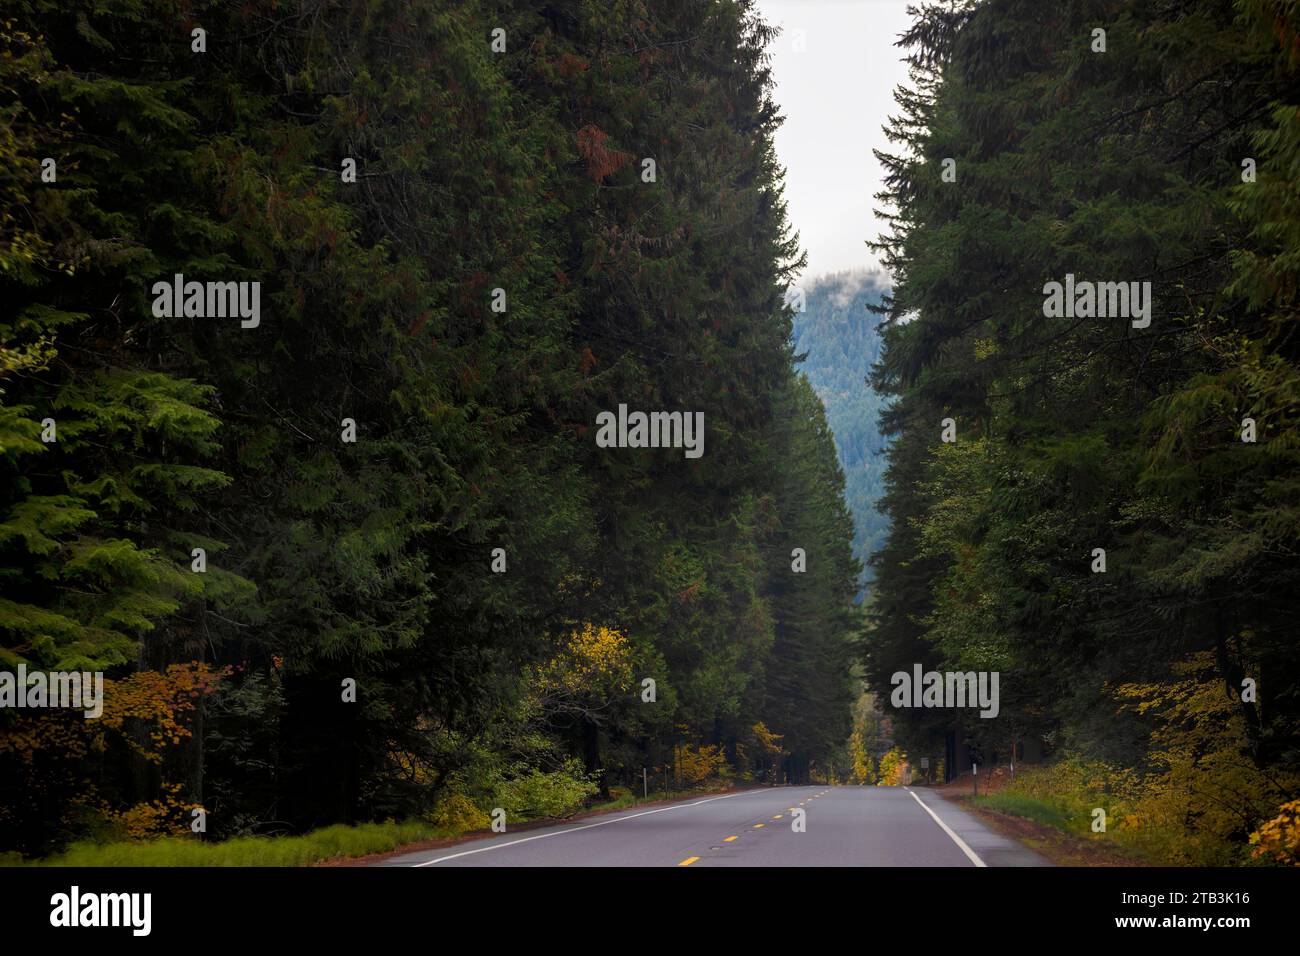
(688, 861)
(729, 839)
(759, 826)
(777, 817)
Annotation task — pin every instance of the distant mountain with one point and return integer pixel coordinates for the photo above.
(841, 340)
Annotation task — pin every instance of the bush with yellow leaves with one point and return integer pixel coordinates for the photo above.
(458, 813)
(168, 815)
(1203, 794)
(1278, 840)
(697, 766)
(893, 769)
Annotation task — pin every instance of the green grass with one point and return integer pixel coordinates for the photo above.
(623, 799)
(333, 842)
(319, 845)
(1030, 808)
(620, 798)
(1076, 823)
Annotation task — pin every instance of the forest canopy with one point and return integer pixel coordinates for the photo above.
(1102, 508)
(359, 556)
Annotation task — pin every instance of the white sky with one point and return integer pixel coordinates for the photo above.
(835, 95)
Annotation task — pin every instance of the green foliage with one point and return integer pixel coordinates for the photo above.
(327, 843)
(1084, 433)
(839, 339)
(370, 561)
(1039, 811)
(540, 794)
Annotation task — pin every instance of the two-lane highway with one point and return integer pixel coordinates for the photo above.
(843, 826)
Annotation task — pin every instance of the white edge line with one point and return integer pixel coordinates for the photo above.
(587, 826)
(971, 854)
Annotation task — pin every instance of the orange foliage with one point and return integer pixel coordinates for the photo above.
(570, 64)
(166, 815)
(601, 162)
(160, 699)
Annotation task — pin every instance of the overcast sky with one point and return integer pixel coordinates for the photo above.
(835, 94)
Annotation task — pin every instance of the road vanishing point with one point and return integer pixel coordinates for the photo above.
(843, 826)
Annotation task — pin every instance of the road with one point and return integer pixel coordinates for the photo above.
(845, 826)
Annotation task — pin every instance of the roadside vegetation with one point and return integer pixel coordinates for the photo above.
(365, 558)
(531, 799)
(1150, 818)
(1100, 506)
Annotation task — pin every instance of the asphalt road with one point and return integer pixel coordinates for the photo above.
(845, 826)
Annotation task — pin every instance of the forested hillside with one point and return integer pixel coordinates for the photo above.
(359, 555)
(839, 338)
(1109, 518)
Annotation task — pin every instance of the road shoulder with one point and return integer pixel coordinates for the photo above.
(992, 846)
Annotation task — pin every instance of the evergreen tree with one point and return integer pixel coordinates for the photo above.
(1096, 433)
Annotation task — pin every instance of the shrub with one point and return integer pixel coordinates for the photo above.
(540, 794)
(697, 765)
(458, 813)
(893, 768)
(1278, 840)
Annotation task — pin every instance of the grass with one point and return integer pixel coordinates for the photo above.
(1063, 796)
(327, 843)
(1031, 808)
(624, 799)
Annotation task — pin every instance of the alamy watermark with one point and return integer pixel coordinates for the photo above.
(208, 300)
(651, 430)
(1101, 300)
(81, 690)
(951, 689)
(75, 908)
